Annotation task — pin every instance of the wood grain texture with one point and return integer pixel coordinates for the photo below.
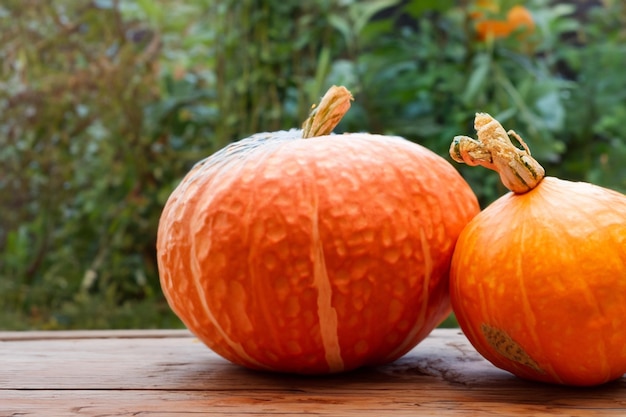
(170, 373)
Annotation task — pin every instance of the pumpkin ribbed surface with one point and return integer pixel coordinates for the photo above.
(313, 255)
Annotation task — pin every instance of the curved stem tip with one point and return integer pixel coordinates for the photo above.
(519, 172)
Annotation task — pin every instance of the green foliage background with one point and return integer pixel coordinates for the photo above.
(105, 105)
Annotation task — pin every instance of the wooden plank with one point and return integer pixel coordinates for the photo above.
(340, 402)
(165, 374)
(169, 363)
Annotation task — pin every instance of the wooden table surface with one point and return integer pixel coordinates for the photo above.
(169, 373)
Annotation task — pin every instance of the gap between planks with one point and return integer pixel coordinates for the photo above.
(18, 336)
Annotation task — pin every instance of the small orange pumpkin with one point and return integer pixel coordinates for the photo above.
(538, 278)
(314, 255)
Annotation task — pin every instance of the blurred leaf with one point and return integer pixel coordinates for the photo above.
(362, 12)
(477, 78)
(416, 8)
(551, 110)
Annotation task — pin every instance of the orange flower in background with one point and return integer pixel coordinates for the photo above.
(494, 28)
(518, 17)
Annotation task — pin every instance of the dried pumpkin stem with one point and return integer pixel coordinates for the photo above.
(493, 149)
(325, 116)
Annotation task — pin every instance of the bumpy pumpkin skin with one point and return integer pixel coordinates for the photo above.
(313, 255)
(538, 283)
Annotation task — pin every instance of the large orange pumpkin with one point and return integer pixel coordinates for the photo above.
(538, 278)
(313, 255)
